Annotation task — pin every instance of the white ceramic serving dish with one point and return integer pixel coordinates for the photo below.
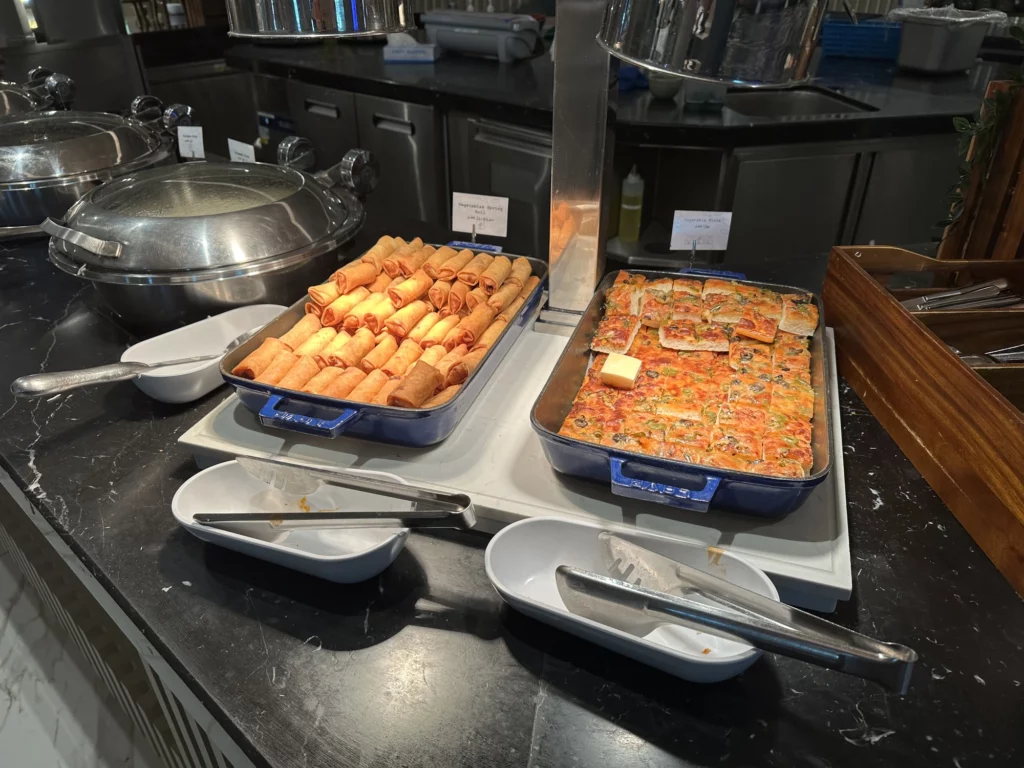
(344, 557)
(521, 561)
(184, 383)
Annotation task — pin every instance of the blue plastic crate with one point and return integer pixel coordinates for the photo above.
(869, 39)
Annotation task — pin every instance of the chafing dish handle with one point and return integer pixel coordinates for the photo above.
(271, 416)
(92, 244)
(662, 493)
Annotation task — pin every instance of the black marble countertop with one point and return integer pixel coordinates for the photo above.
(424, 666)
(521, 92)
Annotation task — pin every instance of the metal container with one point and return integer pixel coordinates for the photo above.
(303, 19)
(687, 486)
(42, 90)
(767, 43)
(48, 160)
(942, 39)
(329, 417)
(167, 246)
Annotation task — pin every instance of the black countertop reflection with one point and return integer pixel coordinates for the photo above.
(424, 666)
(899, 104)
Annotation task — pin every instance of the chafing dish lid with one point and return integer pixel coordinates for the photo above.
(199, 216)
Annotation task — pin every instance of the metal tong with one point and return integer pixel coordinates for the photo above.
(646, 590)
(431, 509)
(988, 294)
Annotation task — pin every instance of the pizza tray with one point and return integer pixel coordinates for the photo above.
(667, 481)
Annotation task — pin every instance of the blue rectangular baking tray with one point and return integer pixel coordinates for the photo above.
(665, 481)
(329, 417)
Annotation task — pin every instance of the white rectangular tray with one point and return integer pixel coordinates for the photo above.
(495, 457)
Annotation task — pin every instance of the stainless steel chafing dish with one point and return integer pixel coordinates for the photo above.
(166, 246)
(43, 90)
(49, 159)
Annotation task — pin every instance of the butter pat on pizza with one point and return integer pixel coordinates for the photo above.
(620, 371)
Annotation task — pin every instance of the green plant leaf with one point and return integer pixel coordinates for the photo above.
(962, 124)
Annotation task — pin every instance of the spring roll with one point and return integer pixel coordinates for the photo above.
(450, 269)
(417, 387)
(358, 347)
(437, 258)
(381, 398)
(442, 397)
(381, 311)
(257, 361)
(407, 354)
(334, 313)
(408, 263)
(355, 275)
(405, 319)
(438, 293)
(437, 334)
(322, 295)
(464, 311)
(391, 264)
(311, 308)
(422, 328)
(510, 311)
(316, 342)
(434, 354)
(304, 369)
(528, 286)
(495, 274)
(322, 380)
(444, 311)
(459, 372)
(504, 296)
(476, 296)
(380, 354)
(470, 274)
(454, 355)
(365, 390)
(453, 338)
(520, 272)
(382, 336)
(341, 386)
(323, 357)
(457, 296)
(380, 284)
(354, 318)
(474, 326)
(278, 367)
(376, 255)
(490, 335)
(302, 330)
(414, 288)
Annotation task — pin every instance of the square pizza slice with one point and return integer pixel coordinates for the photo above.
(650, 446)
(584, 422)
(712, 337)
(685, 286)
(787, 424)
(640, 424)
(742, 418)
(678, 334)
(714, 286)
(725, 461)
(768, 303)
(618, 300)
(656, 306)
(754, 325)
(745, 445)
(779, 468)
(687, 307)
(750, 354)
(615, 334)
(692, 432)
(724, 308)
(775, 447)
(682, 452)
(751, 391)
(799, 314)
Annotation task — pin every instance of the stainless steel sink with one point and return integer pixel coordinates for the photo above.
(793, 102)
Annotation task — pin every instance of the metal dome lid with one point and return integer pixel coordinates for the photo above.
(43, 90)
(200, 217)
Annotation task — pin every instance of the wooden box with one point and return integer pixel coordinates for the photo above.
(962, 428)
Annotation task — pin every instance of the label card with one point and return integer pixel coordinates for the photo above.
(489, 215)
(190, 142)
(709, 229)
(240, 152)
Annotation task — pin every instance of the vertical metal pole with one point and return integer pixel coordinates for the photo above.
(582, 144)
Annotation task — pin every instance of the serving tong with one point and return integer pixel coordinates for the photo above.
(431, 509)
(644, 590)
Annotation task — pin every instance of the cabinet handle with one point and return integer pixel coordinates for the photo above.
(394, 124)
(517, 142)
(322, 108)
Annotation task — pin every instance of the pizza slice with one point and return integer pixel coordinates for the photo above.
(799, 314)
(615, 334)
(584, 422)
(726, 308)
(618, 300)
(620, 440)
(682, 452)
(678, 334)
(747, 390)
(768, 303)
(656, 306)
(691, 432)
(681, 402)
(650, 446)
(686, 286)
(779, 468)
(640, 424)
(714, 286)
(712, 337)
(754, 325)
(745, 445)
(775, 447)
(787, 424)
(725, 461)
(645, 341)
(629, 278)
(687, 307)
(742, 418)
(750, 354)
